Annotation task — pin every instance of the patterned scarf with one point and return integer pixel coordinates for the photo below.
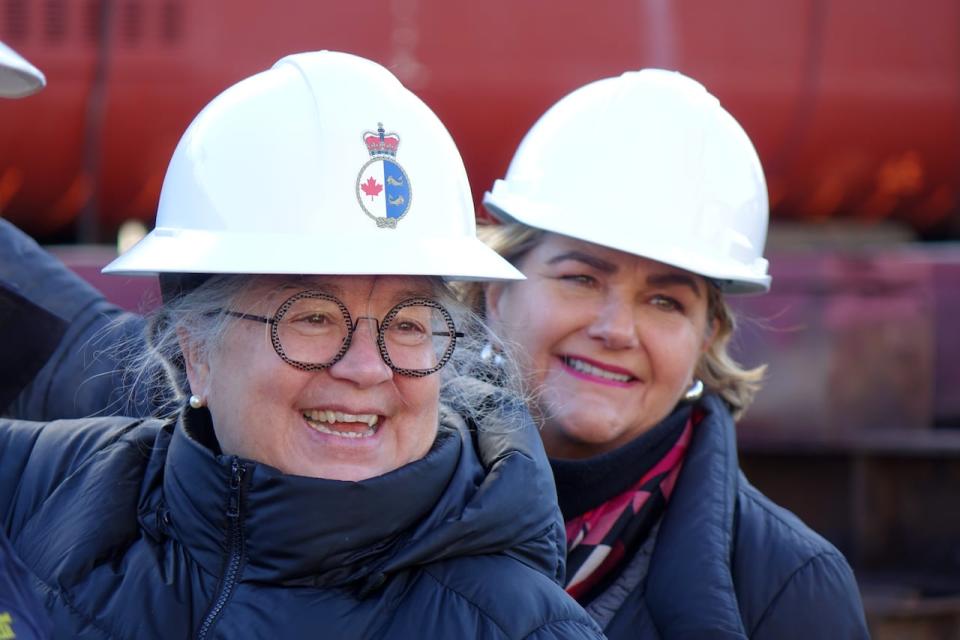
(600, 539)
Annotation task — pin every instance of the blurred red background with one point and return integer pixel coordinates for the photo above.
(854, 106)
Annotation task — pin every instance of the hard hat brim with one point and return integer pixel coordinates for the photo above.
(18, 78)
(166, 250)
(731, 280)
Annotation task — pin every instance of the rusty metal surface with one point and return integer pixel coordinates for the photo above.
(918, 625)
(946, 282)
(850, 340)
(886, 512)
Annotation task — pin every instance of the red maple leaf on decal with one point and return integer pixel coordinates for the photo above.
(371, 187)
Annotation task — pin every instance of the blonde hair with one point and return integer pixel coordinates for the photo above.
(717, 369)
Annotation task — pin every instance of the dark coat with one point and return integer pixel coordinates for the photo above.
(30, 336)
(729, 563)
(136, 529)
(80, 377)
(21, 615)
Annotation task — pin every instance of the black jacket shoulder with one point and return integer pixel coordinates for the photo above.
(37, 458)
(729, 563)
(783, 571)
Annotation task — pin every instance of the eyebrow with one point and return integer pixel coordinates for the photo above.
(579, 256)
(406, 294)
(338, 291)
(667, 279)
(657, 279)
(303, 284)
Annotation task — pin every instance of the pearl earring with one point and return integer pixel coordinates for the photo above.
(491, 354)
(196, 402)
(694, 392)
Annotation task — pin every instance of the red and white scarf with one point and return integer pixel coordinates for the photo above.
(599, 540)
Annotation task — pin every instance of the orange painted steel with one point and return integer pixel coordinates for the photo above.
(854, 106)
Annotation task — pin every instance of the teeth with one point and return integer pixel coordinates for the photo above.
(317, 417)
(366, 433)
(589, 369)
(322, 415)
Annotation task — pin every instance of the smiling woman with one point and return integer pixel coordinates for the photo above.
(621, 332)
(327, 462)
(610, 340)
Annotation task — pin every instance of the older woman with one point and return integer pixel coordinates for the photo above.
(634, 206)
(322, 479)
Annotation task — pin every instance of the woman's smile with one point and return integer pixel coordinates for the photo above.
(344, 425)
(593, 371)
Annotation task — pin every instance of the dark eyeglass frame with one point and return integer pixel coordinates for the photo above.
(274, 323)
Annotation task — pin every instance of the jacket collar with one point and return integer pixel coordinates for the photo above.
(474, 493)
(690, 591)
(296, 529)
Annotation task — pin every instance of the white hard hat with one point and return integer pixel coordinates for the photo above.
(648, 163)
(324, 164)
(18, 78)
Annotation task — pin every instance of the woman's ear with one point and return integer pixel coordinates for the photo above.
(195, 362)
(493, 294)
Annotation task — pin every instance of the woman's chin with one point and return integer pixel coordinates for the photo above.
(583, 434)
(331, 459)
(348, 473)
(343, 470)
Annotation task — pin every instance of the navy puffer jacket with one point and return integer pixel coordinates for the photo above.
(727, 563)
(21, 616)
(138, 529)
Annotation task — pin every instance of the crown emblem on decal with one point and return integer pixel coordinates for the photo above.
(381, 143)
(383, 188)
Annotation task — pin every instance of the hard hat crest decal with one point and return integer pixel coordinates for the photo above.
(383, 188)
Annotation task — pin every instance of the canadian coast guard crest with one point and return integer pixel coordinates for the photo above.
(383, 189)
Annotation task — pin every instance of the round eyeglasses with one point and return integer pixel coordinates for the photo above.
(312, 330)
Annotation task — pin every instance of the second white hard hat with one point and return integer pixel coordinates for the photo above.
(18, 78)
(648, 163)
(324, 164)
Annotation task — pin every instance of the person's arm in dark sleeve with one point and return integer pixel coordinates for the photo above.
(28, 337)
(84, 374)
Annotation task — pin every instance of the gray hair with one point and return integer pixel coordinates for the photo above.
(472, 383)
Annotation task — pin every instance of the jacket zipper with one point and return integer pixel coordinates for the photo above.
(234, 551)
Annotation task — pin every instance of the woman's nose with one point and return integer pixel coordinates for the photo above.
(616, 325)
(362, 364)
